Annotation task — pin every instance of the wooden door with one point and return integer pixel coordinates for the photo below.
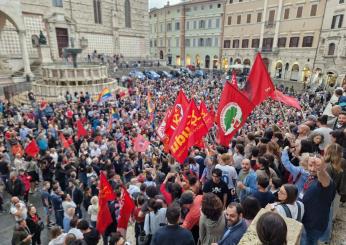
(62, 39)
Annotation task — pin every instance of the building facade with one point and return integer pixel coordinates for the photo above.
(331, 57)
(287, 33)
(188, 33)
(107, 26)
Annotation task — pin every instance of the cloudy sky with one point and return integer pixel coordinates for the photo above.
(160, 3)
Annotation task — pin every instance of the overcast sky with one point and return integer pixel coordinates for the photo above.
(160, 3)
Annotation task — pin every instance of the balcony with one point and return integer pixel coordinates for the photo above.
(269, 24)
(270, 50)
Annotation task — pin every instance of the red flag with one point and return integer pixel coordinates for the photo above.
(106, 194)
(206, 115)
(234, 79)
(140, 144)
(126, 209)
(81, 131)
(287, 100)
(32, 148)
(234, 108)
(64, 142)
(179, 110)
(162, 126)
(259, 85)
(190, 131)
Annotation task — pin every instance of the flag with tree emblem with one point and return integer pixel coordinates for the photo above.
(234, 108)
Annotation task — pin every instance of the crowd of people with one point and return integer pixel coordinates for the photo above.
(287, 161)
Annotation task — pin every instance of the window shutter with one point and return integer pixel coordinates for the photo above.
(333, 22)
(341, 18)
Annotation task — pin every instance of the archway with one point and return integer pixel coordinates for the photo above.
(207, 61)
(295, 73)
(331, 78)
(278, 70)
(198, 61)
(225, 63)
(10, 17)
(231, 60)
(247, 63)
(161, 55)
(237, 61)
(215, 62)
(178, 60)
(306, 74)
(188, 60)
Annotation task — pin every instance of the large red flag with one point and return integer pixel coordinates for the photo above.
(189, 132)
(162, 126)
(81, 131)
(32, 148)
(140, 144)
(63, 140)
(178, 112)
(206, 115)
(127, 206)
(233, 110)
(287, 100)
(259, 85)
(106, 194)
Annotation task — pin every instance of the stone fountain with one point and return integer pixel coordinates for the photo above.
(59, 78)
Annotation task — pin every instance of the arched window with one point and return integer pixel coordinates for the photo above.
(97, 12)
(127, 14)
(331, 49)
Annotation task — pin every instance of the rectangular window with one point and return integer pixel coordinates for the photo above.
(259, 17)
(299, 11)
(58, 3)
(255, 43)
(177, 26)
(294, 42)
(187, 42)
(201, 24)
(177, 42)
(248, 18)
(227, 44)
(194, 24)
(229, 20)
(97, 12)
(216, 42)
(194, 42)
(230, 1)
(151, 43)
(155, 43)
(187, 25)
(308, 41)
(217, 23)
(236, 43)
(245, 43)
(161, 44)
(271, 17)
(209, 42)
(200, 42)
(161, 28)
(282, 42)
(287, 14)
(169, 42)
(313, 10)
(169, 27)
(238, 19)
(337, 21)
(341, 1)
(268, 43)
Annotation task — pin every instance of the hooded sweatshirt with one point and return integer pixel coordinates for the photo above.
(211, 231)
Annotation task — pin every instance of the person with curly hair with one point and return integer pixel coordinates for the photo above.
(212, 222)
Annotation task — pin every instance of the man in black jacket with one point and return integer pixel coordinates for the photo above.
(15, 186)
(165, 234)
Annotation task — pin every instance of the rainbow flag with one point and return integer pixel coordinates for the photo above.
(104, 95)
(150, 105)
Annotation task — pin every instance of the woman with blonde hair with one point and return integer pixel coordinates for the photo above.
(336, 166)
(93, 210)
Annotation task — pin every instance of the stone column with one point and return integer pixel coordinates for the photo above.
(277, 25)
(24, 49)
(264, 19)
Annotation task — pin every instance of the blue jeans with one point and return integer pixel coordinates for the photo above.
(310, 237)
(327, 235)
(59, 217)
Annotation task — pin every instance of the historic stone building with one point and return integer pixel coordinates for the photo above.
(188, 33)
(107, 26)
(331, 58)
(287, 33)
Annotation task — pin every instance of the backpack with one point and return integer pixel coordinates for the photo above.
(288, 211)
